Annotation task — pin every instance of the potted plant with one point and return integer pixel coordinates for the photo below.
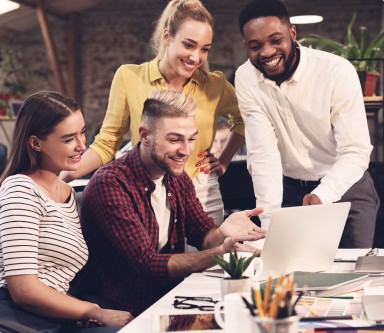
(237, 264)
(15, 79)
(357, 49)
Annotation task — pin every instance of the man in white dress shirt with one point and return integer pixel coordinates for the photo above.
(306, 129)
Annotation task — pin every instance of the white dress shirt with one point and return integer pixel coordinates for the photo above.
(313, 126)
(162, 210)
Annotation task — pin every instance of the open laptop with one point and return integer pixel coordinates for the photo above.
(303, 238)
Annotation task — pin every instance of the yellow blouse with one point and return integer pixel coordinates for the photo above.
(131, 86)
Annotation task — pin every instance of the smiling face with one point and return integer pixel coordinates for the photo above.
(270, 46)
(63, 147)
(169, 144)
(187, 50)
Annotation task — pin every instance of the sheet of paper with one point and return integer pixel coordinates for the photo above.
(316, 306)
(373, 305)
(350, 254)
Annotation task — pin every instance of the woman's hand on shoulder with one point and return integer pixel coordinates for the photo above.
(209, 163)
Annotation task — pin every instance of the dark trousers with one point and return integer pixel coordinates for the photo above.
(360, 226)
(13, 319)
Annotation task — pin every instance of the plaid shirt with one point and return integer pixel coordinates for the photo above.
(120, 228)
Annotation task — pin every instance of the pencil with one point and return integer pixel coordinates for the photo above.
(310, 309)
(267, 294)
(273, 308)
(259, 302)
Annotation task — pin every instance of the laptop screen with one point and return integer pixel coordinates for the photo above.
(304, 238)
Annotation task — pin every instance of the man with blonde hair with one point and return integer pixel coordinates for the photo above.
(137, 211)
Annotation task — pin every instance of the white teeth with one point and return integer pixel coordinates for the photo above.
(272, 62)
(190, 66)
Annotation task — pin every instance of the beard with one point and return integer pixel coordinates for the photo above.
(288, 67)
(160, 162)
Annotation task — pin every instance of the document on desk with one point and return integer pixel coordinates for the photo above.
(373, 305)
(309, 306)
(350, 255)
(186, 322)
(324, 281)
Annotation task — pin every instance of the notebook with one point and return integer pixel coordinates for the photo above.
(324, 281)
(303, 238)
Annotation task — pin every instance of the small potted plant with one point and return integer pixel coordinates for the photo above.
(15, 79)
(357, 49)
(235, 267)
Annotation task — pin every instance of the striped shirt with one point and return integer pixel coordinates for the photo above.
(39, 236)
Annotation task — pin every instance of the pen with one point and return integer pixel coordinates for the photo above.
(349, 328)
(323, 318)
(372, 252)
(249, 306)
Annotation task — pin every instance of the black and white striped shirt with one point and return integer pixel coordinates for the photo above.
(39, 236)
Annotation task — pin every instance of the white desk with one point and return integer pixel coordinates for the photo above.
(195, 285)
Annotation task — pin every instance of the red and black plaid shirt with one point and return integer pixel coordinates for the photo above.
(120, 228)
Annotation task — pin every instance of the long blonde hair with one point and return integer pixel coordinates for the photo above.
(173, 16)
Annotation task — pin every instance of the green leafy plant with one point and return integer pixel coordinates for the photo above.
(15, 75)
(236, 266)
(356, 46)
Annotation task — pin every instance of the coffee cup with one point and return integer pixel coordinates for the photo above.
(236, 315)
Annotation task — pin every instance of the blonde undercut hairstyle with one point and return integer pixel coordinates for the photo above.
(173, 16)
(167, 104)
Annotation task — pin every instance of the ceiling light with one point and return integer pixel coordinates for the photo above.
(305, 19)
(7, 6)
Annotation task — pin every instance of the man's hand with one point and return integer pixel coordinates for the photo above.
(231, 244)
(311, 199)
(239, 226)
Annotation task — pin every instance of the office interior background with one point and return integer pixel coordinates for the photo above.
(93, 38)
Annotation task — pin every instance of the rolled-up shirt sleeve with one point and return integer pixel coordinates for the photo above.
(117, 119)
(263, 156)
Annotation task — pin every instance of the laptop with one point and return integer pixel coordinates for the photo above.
(303, 238)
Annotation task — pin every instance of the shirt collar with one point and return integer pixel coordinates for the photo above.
(302, 64)
(198, 76)
(136, 165)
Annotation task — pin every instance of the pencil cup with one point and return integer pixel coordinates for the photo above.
(236, 315)
(272, 325)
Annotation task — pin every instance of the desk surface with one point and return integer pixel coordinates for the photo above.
(195, 285)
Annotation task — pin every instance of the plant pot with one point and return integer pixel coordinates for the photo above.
(229, 285)
(368, 82)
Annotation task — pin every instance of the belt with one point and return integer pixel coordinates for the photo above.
(299, 182)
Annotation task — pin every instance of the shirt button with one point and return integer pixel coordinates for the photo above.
(169, 194)
(173, 247)
(175, 220)
(146, 189)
